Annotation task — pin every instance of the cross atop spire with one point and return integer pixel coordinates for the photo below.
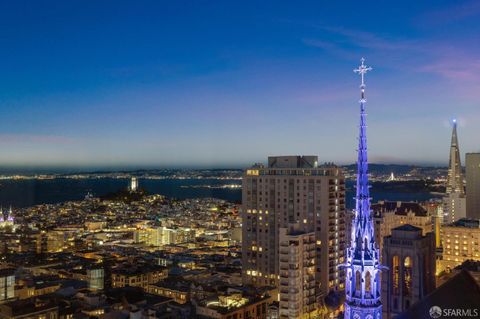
(362, 70)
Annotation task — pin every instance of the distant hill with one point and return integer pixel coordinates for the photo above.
(125, 195)
(408, 186)
(397, 169)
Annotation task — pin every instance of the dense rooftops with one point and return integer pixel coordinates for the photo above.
(466, 222)
(407, 227)
(399, 208)
(5, 272)
(133, 295)
(27, 306)
(174, 283)
(133, 270)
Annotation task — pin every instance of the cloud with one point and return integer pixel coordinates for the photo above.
(371, 40)
(460, 68)
(349, 43)
(454, 66)
(457, 63)
(330, 47)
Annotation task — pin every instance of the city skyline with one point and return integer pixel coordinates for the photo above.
(150, 85)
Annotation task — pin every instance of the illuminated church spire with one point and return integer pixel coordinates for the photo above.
(362, 265)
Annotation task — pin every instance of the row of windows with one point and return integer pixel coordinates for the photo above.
(464, 242)
(464, 248)
(317, 181)
(458, 236)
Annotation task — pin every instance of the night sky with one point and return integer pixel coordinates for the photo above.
(227, 83)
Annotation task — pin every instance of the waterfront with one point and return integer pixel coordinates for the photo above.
(29, 192)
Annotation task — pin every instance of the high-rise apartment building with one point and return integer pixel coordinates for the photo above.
(472, 164)
(293, 190)
(454, 201)
(410, 258)
(297, 273)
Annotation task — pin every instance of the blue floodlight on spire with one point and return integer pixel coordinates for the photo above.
(362, 265)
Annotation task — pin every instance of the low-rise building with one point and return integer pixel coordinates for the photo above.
(36, 286)
(461, 242)
(135, 276)
(175, 288)
(388, 214)
(234, 305)
(7, 284)
(161, 236)
(32, 308)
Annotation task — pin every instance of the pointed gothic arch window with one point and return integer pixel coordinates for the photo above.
(358, 282)
(368, 283)
(377, 283)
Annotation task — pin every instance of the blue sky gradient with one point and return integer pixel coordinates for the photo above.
(224, 83)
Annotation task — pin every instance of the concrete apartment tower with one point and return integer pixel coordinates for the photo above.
(472, 164)
(454, 201)
(410, 257)
(297, 273)
(295, 195)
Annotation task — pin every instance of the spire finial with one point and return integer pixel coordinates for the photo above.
(362, 70)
